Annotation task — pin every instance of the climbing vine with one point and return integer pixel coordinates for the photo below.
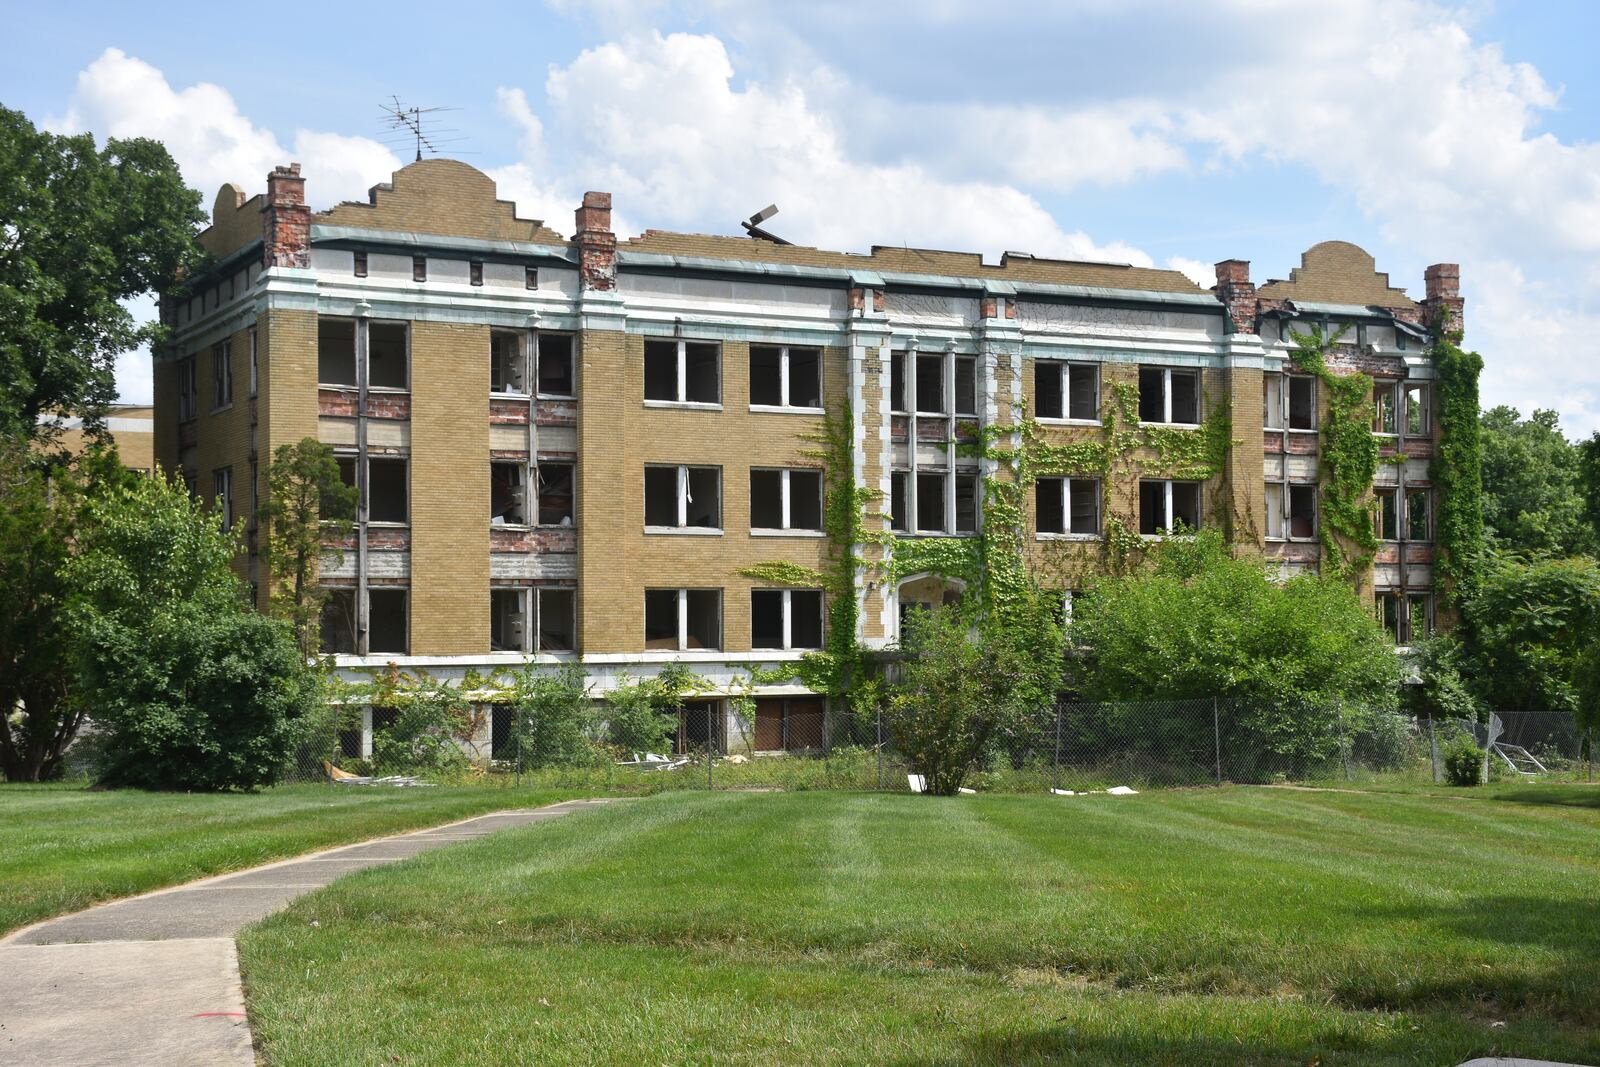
(1456, 468)
(1348, 462)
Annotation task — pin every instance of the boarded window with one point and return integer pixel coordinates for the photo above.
(702, 373)
(789, 723)
(1272, 401)
(703, 503)
(1386, 515)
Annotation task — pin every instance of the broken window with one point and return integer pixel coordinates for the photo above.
(1416, 406)
(558, 620)
(336, 351)
(1067, 390)
(386, 620)
(1302, 511)
(1067, 505)
(222, 495)
(930, 385)
(1276, 511)
(533, 620)
(1167, 395)
(683, 619)
(1272, 402)
(221, 375)
(679, 497)
(339, 621)
(1388, 605)
(508, 369)
(897, 382)
(419, 268)
(1419, 617)
(966, 385)
(897, 501)
(255, 376)
(786, 500)
(966, 503)
(508, 494)
(386, 490)
(930, 503)
(1386, 515)
(1383, 404)
(188, 393)
(327, 509)
(555, 365)
(1302, 403)
(508, 620)
(1418, 526)
(1168, 507)
(682, 372)
(785, 377)
(786, 618)
(555, 493)
(386, 355)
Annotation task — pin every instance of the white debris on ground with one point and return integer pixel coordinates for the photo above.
(1116, 791)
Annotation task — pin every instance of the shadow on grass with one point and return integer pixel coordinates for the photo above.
(1556, 795)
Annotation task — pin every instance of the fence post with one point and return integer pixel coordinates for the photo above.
(1344, 748)
(1055, 760)
(711, 742)
(516, 726)
(1433, 750)
(878, 715)
(1216, 736)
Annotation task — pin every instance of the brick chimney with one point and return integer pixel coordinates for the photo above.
(1238, 294)
(1443, 307)
(286, 221)
(597, 245)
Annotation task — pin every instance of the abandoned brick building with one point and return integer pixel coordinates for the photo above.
(572, 447)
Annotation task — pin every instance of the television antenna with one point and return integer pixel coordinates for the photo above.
(754, 228)
(415, 126)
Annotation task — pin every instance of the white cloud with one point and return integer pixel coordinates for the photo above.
(119, 95)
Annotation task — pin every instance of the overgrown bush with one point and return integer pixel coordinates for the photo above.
(554, 723)
(1463, 762)
(642, 716)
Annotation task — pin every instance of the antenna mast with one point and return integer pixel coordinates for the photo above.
(412, 125)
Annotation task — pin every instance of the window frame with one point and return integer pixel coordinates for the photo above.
(572, 364)
(1165, 530)
(682, 366)
(787, 609)
(524, 469)
(785, 379)
(521, 337)
(1286, 487)
(366, 486)
(1066, 533)
(188, 389)
(1426, 493)
(681, 595)
(255, 373)
(682, 527)
(949, 521)
(1166, 395)
(222, 494)
(530, 602)
(786, 502)
(1064, 368)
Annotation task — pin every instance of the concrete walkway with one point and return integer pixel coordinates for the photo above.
(154, 979)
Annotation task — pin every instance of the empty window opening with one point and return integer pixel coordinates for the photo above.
(1302, 512)
(1416, 405)
(508, 620)
(188, 395)
(475, 272)
(1419, 617)
(1276, 511)
(766, 500)
(898, 508)
(555, 493)
(1066, 390)
(419, 268)
(336, 351)
(386, 355)
(897, 382)
(530, 277)
(966, 386)
(1386, 515)
(558, 620)
(1170, 396)
(1302, 403)
(930, 385)
(1418, 526)
(222, 495)
(222, 375)
(683, 619)
(785, 377)
(1049, 397)
(1272, 401)
(786, 618)
(508, 494)
(555, 364)
(786, 500)
(966, 503)
(508, 370)
(1383, 404)
(386, 620)
(360, 262)
(386, 490)
(339, 621)
(930, 503)
(255, 376)
(682, 371)
(1167, 507)
(330, 508)
(679, 497)
(1068, 505)
(502, 745)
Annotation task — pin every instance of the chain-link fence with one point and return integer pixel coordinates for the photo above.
(802, 743)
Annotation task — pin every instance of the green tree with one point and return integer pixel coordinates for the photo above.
(1533, 498)
(553, 717)
(306, 502)
(81, 229)
(1589, 482)
(41, 514)
(1531, 624)
(1195, 622)
(185, 686)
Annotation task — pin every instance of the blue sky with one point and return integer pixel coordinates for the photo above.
(1149, 131)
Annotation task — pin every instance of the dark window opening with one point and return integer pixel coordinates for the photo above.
(805, 377)
(1302, 404)
(558, 620)
(508, 621)
(501, 744)
(1185, 505)
(507, 494)
(704, 500)
(897, 382)
(419, 268)
(661, 370)
(1185, 396)
(386, 355)
(1049, 510)
(704, 629)
(1152, 395)
(1387, 516)
(1152, 507)
(1417, 527)
(661, 496)
(1419, 620)
(766, 618)
(1047, 399)
(386, 624)
(966, 503)
(475, 273)
(1302, 511)
(530, 277)
(805, 500)
(1084, 516)
(897, 500)
(766, 500)
(507, 368)
(766, 376)
(930, 503)
(701, 379)
(361, 264)
(805, 618)
(966, 386)
(339, 621)
(1383, 420)
(336, 351)
(555, 494)
(386, 490)
(555, 364)
(661, 619)
(930, 384)
(1083, 391)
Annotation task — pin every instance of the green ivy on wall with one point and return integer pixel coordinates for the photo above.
(1456, 469)
(1349, 459)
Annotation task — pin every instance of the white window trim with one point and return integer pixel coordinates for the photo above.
(1167, 484)
(946, 385)
(1064, 369)
(1066, 512)
(785, 498)
(783, 383)
(1166, 395)
(1286, 512)
(682, 596)
(683, 527)
(788, 621)
(222, 494)
(683, 378)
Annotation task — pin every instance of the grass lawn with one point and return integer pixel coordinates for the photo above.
(63, 847)
(1236, 926)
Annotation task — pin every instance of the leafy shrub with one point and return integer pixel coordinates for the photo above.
(554, 721)
(1463, 762)
(635, 720)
